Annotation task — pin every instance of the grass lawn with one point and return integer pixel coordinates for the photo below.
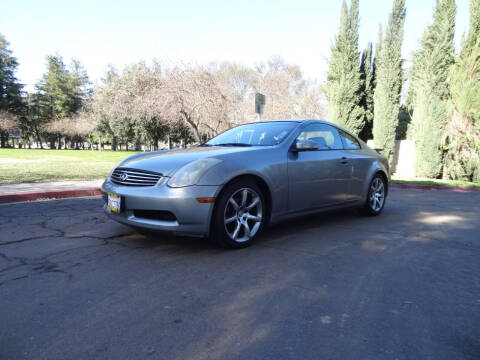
(23, 165)
(436, 182)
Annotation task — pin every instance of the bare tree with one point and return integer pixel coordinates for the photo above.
(194, 97)
(147, 103)
(132, 105)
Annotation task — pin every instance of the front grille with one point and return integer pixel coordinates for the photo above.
(134, 177)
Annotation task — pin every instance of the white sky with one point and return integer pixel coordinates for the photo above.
(121, 32)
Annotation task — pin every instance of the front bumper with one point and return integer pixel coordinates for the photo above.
(192, 217)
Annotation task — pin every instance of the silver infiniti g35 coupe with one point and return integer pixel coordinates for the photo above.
(232, 186)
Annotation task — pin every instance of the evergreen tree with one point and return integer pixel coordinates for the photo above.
(60, 93)
(366, 76)
(343, 88)
(11, 102)
(369, 84)
(389, 80)
(78, 82)
(462, 134)
(429, 90)
(378, 49)
(60, 90)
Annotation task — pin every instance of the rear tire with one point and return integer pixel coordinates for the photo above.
(239, 215)
(376, 196)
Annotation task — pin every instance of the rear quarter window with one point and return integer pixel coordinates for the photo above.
(349, 141)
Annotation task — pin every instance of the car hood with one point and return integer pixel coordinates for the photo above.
(166, 162)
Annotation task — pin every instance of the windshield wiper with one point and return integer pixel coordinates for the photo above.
(232, 144)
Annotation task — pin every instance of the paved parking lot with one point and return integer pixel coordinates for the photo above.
(404, 285)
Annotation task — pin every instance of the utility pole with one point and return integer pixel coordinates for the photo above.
(259, 104)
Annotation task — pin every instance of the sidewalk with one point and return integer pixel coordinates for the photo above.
(76, 188)
(51, 190)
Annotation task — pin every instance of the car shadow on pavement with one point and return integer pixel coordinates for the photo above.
(189, 243)
(270, 234)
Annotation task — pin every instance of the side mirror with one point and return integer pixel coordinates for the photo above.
(305, 145)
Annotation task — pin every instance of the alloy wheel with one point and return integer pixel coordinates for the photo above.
(377, 194)
(243, 215)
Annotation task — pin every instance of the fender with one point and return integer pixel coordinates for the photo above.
(377, 167)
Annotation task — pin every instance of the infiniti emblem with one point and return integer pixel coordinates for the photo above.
(124, 176)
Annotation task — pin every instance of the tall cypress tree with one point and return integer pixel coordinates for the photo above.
(343, 88)
(378, 49)
(389, 82)
(369, 83)
(366, 76)
(428, 85)
(462, 134)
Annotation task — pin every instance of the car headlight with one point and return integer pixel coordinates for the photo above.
(189, 174)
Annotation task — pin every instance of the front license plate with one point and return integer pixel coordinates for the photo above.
(113, 203)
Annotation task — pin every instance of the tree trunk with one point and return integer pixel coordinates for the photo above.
(194, 126)
(2, 136)
(39, 140)
(114, 143)
(59, 145)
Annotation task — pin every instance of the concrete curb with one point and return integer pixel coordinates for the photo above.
(11, 198)
(433, 187)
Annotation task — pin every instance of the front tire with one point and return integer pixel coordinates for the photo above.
(239, 215)
(376, 196)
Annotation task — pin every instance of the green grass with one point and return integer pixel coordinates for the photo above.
(23, 165)
(435, 182)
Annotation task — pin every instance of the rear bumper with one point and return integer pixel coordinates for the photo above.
(191, 217)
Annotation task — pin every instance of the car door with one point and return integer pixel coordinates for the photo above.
(318, 178)
(359, 160)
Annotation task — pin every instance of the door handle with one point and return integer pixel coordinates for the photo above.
(344, 160)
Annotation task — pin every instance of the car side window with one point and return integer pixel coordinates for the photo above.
(349, 141)
(324, 135)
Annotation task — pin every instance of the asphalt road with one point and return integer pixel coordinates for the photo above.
(404, 285)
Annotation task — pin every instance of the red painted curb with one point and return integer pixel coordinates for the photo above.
(49, 195)
(4, 199)
(433, 187)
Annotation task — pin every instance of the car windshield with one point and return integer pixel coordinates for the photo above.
(256, 134)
